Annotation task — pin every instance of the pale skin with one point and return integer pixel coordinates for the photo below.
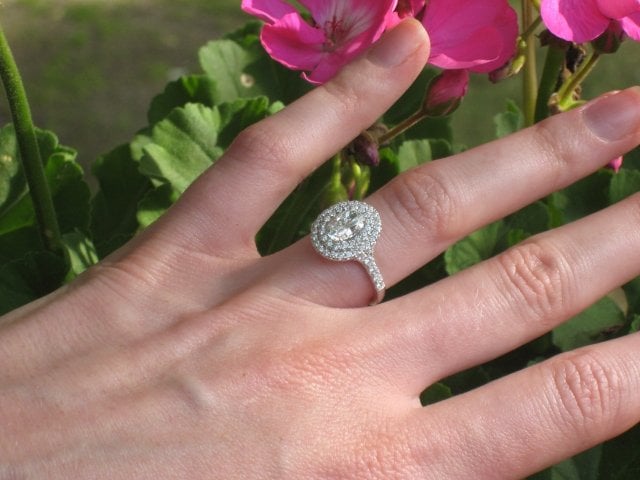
(186, 355)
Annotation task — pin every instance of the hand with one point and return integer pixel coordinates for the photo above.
(186, 355)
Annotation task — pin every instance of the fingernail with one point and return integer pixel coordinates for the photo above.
(615, 116)
(398, 44)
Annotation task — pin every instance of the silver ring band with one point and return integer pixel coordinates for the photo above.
(348, 231)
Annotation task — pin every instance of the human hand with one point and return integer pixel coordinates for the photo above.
(186, 355)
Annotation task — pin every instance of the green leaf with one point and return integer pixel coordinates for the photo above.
(155, 203)
(621, 457)
(29, 278)
(585, 197)
(71, 194)
(471, 250)
(12, 182)
(294, 217)
(18, 242)
(590, 326)
(115, 205)
(532, 219)
(69, 191)
(509, 121)
(413, 153)
(623, 184)
(435, 393)
(81, 251)
(188, 89)
(635, 324)
(16, 209)
(244, 70)
(182, 146)
(237, 115)
(581, 467)
(225, 61)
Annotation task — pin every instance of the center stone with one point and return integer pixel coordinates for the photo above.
(346, 226)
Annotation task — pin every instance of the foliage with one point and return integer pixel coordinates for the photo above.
(193, 121)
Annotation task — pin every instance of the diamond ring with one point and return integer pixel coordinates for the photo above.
(349, 231)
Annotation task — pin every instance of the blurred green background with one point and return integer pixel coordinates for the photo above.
(91, 67)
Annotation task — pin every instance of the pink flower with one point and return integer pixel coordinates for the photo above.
(338, 32)
(446, 92)
(584, 20)
(478, 35)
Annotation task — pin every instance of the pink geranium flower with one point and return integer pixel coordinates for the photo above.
(477, 35)
(339, 30)
(584, 20)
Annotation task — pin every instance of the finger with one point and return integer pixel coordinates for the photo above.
(426, 209)
(225, 208)
(535, 418)
(502, 303)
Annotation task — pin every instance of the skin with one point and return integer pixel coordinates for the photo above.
(186, 355)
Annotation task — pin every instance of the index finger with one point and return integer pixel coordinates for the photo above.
(227, 205)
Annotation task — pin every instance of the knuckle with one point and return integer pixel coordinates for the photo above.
(262, 146)
(585, 390)
(548, 145)
(538, 277)
(342, 96)
(420, 200)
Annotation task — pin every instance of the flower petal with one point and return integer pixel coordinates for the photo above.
(480, 35)
(574, 20)
(293, 42)
(618, 8)
(631, 26)
(327, 68)
(267, 10)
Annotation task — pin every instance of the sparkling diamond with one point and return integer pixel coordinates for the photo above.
(345, 226)
(349, 231)
(346, 231)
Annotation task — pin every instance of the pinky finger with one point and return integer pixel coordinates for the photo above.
(523, 423)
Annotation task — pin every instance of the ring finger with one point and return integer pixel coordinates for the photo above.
(426, 209)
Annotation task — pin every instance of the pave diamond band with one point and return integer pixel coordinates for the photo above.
(349, 231)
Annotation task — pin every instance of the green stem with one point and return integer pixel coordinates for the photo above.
(29, 150)
(402, 127)
(531, 29)
(530, 74)
(552, 68)
(566, 92)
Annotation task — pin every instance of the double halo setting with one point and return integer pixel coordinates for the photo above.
(348, 231)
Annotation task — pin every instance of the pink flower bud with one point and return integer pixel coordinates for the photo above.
(445, 92)
(615, 164)
(365, 150)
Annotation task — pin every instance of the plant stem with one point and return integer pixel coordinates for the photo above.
(530, 74)
(565, 94)
(29, 150)
(550, 75)
(531, 29)
(402, 127)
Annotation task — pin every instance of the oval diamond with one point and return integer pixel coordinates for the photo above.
(345, 226)
(346, 231)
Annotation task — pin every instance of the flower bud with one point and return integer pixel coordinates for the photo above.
(615, 164)
(365, 149)
(445, 93)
